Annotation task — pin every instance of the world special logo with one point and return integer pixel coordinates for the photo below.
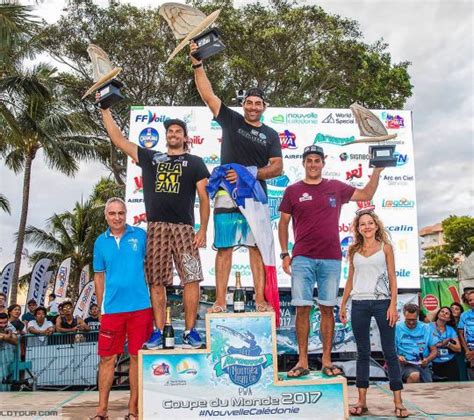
(392, 121)
(339, 118)
(243, 360)
(151, 118)
(337, 141)
(276, 189)
(287, 140)
(148, 137)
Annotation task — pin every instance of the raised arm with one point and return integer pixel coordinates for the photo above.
(367, 193)
(203, 84)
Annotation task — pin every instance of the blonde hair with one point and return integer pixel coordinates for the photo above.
(381, 235)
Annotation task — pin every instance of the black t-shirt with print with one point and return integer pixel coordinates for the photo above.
(245, 144)
(169, 188)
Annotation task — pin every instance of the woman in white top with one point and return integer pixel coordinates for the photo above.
(372, 285)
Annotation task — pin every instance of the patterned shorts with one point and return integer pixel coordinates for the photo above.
(168, 242)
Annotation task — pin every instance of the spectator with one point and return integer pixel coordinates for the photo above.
(8, 342)
(93, 320)
(457, 310)
(414, 349)
(29, 316)
(53, 305)
(3, 302)
(466, 332)
(69, 323)
(14, 312)
(445, 338)
(40, 327)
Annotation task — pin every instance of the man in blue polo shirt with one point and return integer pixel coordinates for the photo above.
(122, 294)
(414, 347)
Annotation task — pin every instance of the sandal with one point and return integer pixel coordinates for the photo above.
(329, 371)
(130, 415)
(217, 309)
(264, 307)
(357, 410)
(401, 413)
(99, 417)
(298, 372)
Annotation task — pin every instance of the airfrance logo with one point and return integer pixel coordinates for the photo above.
(151, 118)
(402, 203)
(287, 140)
(338, 141)
(339, 118)
(148, 137)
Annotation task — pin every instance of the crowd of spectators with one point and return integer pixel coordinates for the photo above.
(440, 349)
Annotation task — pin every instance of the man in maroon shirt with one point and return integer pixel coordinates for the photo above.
(315, 204)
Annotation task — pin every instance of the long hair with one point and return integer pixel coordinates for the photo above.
(381, 234)
(451, 322)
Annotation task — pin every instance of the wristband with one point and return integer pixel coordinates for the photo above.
(196, 66)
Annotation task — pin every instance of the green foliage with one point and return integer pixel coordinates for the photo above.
(458, 232)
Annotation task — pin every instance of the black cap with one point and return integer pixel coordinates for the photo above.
(255, 92)
(176, 121)
(313, 149)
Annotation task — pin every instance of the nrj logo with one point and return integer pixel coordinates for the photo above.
(287, 140)
(338, 141)
(139, 219)
(402, 203)
(392, 121)
(151, 118)
(242, 361)
(354, 173)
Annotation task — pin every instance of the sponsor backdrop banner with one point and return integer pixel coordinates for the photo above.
(62, 279)
(39, 281)
(438, 292)
(395, 200)
(6, 278)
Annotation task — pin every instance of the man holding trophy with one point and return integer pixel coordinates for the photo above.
(248, 142)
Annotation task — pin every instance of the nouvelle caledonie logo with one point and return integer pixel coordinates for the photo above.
(244, 364)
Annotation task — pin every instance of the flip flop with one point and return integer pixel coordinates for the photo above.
(99, 417)
(358, 410)
(398, 413)
(329, 371)
(130, 415)
(264, 307)
(300, 371)
(217, 309)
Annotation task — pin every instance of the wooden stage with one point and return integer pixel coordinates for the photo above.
(425, 401)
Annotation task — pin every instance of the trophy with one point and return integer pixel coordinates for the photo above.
(104, 78)
(189, 23)
(371, 127)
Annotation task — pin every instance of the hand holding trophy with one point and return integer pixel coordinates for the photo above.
(105, 84)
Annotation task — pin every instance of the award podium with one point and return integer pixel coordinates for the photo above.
(235, 376)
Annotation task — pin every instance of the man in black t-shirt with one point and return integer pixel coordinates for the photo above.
(170, 183)
(249, 142)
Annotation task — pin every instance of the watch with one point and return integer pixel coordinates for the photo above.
(283, 255)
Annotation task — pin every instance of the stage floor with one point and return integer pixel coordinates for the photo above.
(432, 401)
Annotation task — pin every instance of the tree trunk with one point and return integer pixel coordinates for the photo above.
(22, 226)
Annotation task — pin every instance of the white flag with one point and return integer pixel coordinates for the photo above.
(47, 279)
(38, 281)
(84, 278)
(62, 279)
(84, 302)
(6, 278)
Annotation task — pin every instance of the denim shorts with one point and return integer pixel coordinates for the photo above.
(306, 272)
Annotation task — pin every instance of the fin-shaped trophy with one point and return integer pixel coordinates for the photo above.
(372, 128)
(104, 78)
(189, 23)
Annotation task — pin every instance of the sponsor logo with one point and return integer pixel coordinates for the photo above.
(212, 160)
(139, 219)
(197, 140)
(148, 137)
(345, 244)
(287, 140)
(61, 278)
(430, 302)
(135, 200)
(295, 118)
(215, 125)
(189, 120)
(295, 156)
(151, 118)
(276, 189)
(401, 159)
(138, 180)
(328, 173)
(186, 367)
(344, 228)
(399, 228)
(392, 121)
(403, 272)
(365, 204)
(339, 118)
(305, 197)
(161, 369)
(338, 141)
(242, 361)
(354, 173)
(398, 179)
(402, 203)
(353, 156)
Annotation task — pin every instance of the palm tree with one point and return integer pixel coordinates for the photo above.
(36, 120)
(4, 204)
(69, 234)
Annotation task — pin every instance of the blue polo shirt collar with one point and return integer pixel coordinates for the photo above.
(128, 229)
